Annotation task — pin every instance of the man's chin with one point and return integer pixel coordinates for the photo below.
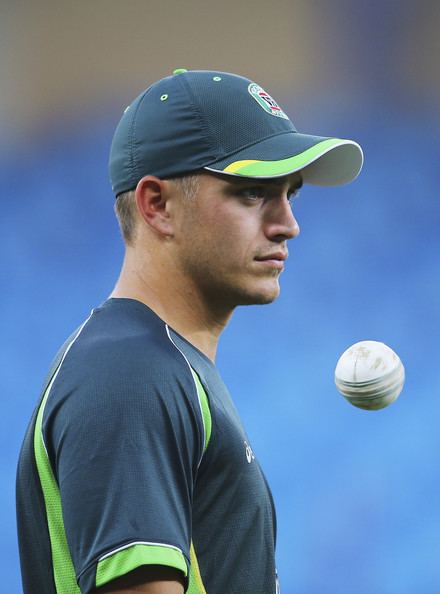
(260, 297)
(233, 296)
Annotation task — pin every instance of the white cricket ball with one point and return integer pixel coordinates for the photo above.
(369, 375)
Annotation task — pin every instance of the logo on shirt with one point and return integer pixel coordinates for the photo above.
(249, 453)
(265, 101)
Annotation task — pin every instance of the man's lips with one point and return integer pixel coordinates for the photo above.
(274, 260)
(280, 256)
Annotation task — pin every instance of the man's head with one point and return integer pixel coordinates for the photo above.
(202, 164)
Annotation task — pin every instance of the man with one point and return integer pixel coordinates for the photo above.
(136, 474)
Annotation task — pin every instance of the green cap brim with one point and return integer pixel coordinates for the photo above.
(330, 161)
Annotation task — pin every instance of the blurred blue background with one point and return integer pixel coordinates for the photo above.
(357, 492)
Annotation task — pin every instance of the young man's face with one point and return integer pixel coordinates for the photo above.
(232, 237)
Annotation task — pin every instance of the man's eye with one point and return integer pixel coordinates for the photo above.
(258, 193)
(253, 193)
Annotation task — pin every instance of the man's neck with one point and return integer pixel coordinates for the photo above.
(176, 302)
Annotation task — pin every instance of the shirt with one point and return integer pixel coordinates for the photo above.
(136, 455)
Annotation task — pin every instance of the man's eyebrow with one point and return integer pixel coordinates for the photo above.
(292, 187)
(256, 181)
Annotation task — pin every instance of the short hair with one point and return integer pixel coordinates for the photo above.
(125, 205)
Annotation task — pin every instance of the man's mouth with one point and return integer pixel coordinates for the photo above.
(278, 256)
(274, 260)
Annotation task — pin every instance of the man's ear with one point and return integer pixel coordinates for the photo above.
(151, 200)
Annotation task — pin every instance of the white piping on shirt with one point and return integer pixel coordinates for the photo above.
(49, 387)
(140, 542)
(197, 392)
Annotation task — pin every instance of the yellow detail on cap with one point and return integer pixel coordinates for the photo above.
(180, 70)
(233, 167)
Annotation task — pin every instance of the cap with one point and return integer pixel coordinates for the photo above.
(224, 123)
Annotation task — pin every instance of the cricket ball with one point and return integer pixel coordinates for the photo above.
(370, 375)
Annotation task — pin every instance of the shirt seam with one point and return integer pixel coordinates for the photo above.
(167, 329)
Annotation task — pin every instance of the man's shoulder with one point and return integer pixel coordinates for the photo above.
(121, 364)
(121, 339)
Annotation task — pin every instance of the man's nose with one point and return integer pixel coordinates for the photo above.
(281, 223)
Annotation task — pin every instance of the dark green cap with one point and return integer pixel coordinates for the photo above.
(225, 123)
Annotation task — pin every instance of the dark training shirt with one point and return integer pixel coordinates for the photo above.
(136, 455)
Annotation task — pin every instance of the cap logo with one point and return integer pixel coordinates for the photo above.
(265, 101)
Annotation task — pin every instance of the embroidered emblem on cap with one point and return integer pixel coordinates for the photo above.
(267, 102)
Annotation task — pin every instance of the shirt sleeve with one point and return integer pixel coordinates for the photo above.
(124, 436)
